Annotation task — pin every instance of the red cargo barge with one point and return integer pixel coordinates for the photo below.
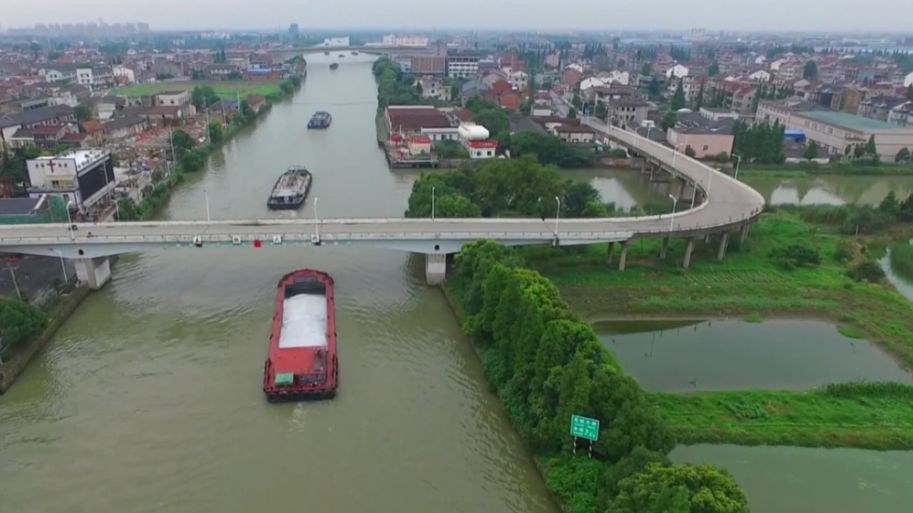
(302, 346)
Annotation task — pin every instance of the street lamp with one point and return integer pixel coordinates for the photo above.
(432, 202)
(63, 266)
(738, 163)
(672, 217)
(206, 198)
(70, 221)
(557, 215)
(316, 222)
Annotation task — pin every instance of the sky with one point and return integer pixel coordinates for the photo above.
(777, 15)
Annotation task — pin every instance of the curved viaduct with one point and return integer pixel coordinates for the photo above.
(726, 206)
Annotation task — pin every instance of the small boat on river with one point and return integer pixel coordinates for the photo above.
(334, 65)
(321, 119)
(302, 363)
(291, 189)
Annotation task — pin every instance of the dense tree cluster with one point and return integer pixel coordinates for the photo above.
(547, 365)
(550, 149)
(490, 115)
(19, 322)
(393, 86)
(203, 96)
(504, 188)
(761, 143)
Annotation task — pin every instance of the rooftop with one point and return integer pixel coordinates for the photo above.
(18, 206)
(851, 121)
(416, 117)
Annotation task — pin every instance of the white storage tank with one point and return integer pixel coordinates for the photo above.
(473, 132)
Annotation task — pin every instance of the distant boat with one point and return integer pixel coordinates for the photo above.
(291, 189)
(320, 119)
(342, 55)
(334, 65)
(326, 53)
(354, 52)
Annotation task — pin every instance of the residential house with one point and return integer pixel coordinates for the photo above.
(575, 134)
(519, 80)
(427, 65)
(571, 75)
(705, 141)
(256, 102)
(760, 76)
(433, 87)
(261, 74)
(94, 130)
(902, 115)
(718, 114)
(462, 64)
(836, 132)
(177, 98)
(221, 71)
(123, 75)
(627, 112)
(58, 73)
(481, 149)
(879, 107)
(45, 116)
(510, 101)
(908, 79)
(419, 144)
(108, 106)
(95, 77)
(123, 127)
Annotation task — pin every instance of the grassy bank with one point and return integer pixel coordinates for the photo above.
(837, 168)
(750, 281)
(224, 88)
(870, 416)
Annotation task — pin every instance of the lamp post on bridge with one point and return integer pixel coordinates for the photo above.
(672, 217)
(738, 163)
(316, 222)
(70, 221)
(557, 215)
(432, 202)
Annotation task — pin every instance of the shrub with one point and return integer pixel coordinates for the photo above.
(844, 250)
(794, 256)
(19, 321)
(866, 271)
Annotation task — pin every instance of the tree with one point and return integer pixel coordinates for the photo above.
(678, 99)
(910, 92)
(82, 112)
(572, 113)
(454, 205)
(577, 197)
(889, 205)
(193, 160)
(645, 69)
(699, 101)
(679, 489)
(653, 88)
(713, 70)
(203, 96)
(216, 136)
(19, 321)
(870, 148)
(902, 156)
(811, 152)
(182, 143)
(669, 120)
(495, 120)
(689, 151)
(810, 72)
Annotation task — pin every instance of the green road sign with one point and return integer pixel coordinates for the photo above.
(585, 427)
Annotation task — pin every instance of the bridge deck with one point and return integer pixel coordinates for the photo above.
(729, 204)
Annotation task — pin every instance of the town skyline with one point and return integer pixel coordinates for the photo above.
(715, 15)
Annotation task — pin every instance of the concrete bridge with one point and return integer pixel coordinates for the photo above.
(388, 50)
(725, 206)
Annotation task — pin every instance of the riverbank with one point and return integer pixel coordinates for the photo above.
(546, 365)
(836, 168)
(19, 357)
(161, 191)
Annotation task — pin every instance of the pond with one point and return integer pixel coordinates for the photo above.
(681, 356)
(805, 480)
(901, 283)
(829, 189)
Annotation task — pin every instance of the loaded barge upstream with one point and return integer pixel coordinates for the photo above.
(291, 189)
(302, 347)
(320, 120)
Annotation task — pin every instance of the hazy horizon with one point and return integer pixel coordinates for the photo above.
(581, 15)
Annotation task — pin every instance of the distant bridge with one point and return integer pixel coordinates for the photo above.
(726, 206)
(388, 50)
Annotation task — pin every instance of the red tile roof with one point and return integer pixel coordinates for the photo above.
(478, 145)
(416, 118)
(92, 126)
(420, 139)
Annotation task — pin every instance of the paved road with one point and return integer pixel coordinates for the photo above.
(730, 205)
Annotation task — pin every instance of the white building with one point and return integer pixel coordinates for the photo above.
(94, 77)
(394, 40)
(760, 76)
(677, 71)
(58, 74)
(908, 80)
(462, 65)
(129, 77)
(334, 42)
(519, 80)
(82, 177)
(172, 98)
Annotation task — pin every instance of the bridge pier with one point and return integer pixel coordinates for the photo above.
(664, 248)
(610, 253)
(743, 233)
(724, 241)
(435, 268)
(689, 248)
(95, 272)
(623, 257)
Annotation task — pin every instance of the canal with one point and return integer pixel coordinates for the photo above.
(149, 399)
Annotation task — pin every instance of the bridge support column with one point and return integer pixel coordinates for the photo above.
(743, 233)
(689, 248)
(623, 257)
(610, 253)
(681, 188)
(94, 272)
(435, 268)
(724, 241)
(664, 247)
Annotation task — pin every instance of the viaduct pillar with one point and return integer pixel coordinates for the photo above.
(94, 272)
(689, 248)
(724, 241)
(623, 257)
(435, 268)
